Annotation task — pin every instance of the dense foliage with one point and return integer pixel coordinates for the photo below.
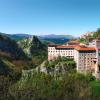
(41, 86)
(60, 65)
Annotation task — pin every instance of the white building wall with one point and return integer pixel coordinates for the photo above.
(66, 53)
(54, 53)
(85, 62)
(51, 53)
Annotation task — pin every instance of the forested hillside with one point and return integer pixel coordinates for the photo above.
(13, 60)
(12, 57)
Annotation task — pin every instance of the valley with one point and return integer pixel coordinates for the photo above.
(25, 70)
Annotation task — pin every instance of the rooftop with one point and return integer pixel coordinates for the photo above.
(84, 48)
(52, 45)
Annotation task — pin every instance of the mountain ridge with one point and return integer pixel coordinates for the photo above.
(58, 39)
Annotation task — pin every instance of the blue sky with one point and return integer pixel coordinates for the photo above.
(41, 17)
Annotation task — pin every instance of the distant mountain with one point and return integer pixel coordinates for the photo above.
(22, 35)
(58, 39)
(57, 36)
(19, 36)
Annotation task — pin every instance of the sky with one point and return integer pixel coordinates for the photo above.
(41, 17)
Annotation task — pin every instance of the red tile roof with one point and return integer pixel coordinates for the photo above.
(77, 47)
(52, 45)
(84, 48)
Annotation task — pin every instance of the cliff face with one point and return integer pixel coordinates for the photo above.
(37, 46)
(32, 46)
(34, 49)
(26, 44)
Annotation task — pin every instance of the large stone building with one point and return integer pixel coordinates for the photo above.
(87, 57)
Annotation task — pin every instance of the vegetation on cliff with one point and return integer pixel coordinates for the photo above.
(35, 49)
(95, 35)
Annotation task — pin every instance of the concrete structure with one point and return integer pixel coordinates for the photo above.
(64, 51)
(84, 58)
(87, 58)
